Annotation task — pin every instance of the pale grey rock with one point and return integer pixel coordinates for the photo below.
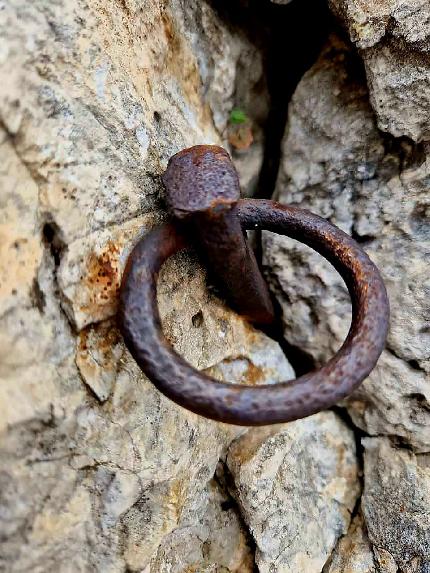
(97, 469)
(89, 62)
(396, 502)
(337, 164)
(215, 542)
(369, 22)
(399, 81)
(224, 55)
(394, 401)
(353, 553)
(89, 274)
(394, 38)
(330, 150)
(297, 485)
(98, 355)
(248, 163)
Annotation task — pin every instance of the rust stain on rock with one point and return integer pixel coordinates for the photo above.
(254, 375)
(102, 280)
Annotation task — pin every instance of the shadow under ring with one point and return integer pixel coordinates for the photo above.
(269, 404)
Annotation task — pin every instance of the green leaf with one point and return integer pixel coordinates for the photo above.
(238, 116)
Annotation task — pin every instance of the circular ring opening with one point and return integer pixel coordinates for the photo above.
(269, 404)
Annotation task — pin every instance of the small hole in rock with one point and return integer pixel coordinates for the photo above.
(197, 319)
(48, 232)
(226, 505)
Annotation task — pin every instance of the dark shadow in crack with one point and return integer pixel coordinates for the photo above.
(290, 38)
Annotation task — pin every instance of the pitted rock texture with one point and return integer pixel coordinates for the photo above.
(216, 542)
(337, 164)
(394, 41)
(353, 553)
(396, 506)
(297, 485)
(97, 469)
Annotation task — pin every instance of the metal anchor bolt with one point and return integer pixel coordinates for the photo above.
(202, 191)
(247, 405)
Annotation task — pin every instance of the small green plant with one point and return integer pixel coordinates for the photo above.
(238, 116)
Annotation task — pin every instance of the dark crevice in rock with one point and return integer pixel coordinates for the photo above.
(301, 361)
(359, 434)
(38, 298)
(415, 365)
(294, 42)
(225, 482)
(290, 42)
(55, 247)
(361, 239)
(52, 239)
(405, 152)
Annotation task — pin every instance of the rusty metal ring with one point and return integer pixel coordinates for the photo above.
(257, 405)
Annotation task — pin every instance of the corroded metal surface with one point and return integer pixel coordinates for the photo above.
(202, 191)
(257, 405)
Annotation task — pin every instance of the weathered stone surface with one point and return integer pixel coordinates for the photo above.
(337, 163)
(353, 553)
(331, 146)
(97, 469)
(297, 485)
(213, 543)
(394, 401)
(396, 502)
(394, 38)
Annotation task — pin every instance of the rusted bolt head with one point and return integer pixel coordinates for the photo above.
(199, 179)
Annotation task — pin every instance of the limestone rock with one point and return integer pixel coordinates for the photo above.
(353, 553)
(297, 485)
(394, 38)
(396, 503)
(330, 147)
(337, 164)
(217, 542)
(394, 401)
(97, 469)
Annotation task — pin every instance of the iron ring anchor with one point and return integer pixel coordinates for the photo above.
(256, 405)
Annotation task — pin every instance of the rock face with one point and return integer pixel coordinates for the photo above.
(354, 551)
(297, 486)
(215, 542)
(339, 165)
(98, 471)
(395, 532)
(356, 151)
(394, 40)
(396, 505)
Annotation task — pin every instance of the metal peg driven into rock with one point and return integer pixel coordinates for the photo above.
(203, 197)
(202, 191)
